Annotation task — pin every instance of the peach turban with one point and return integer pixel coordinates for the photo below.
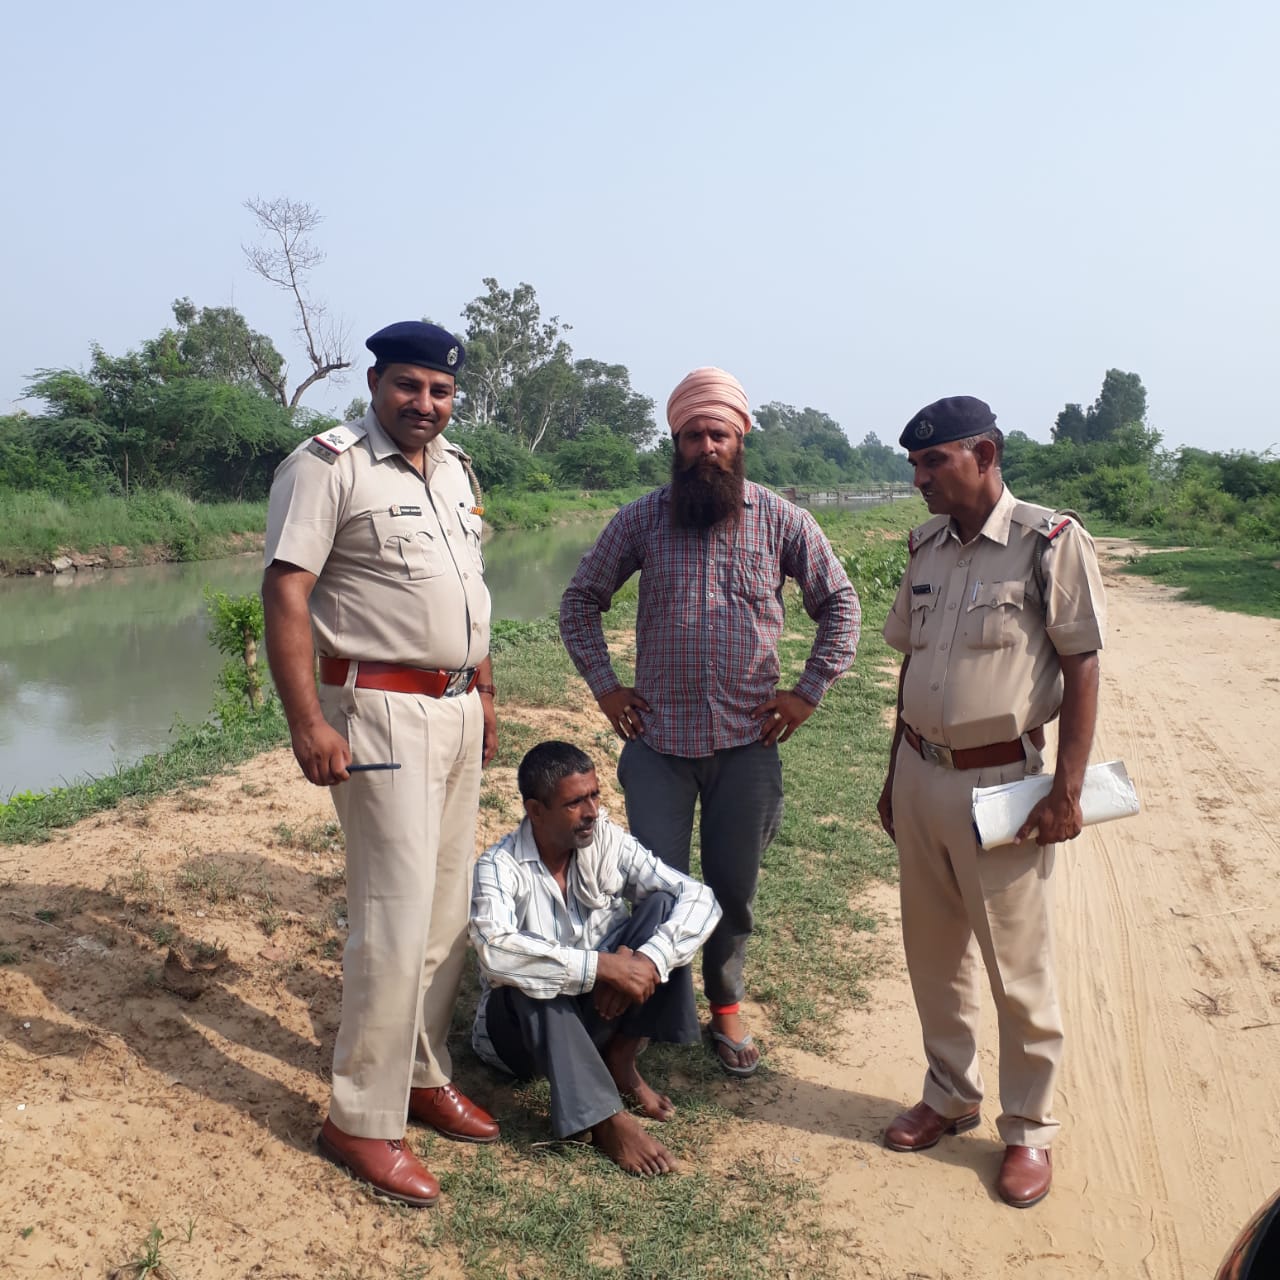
(709, 393)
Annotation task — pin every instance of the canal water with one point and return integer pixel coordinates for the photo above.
(98, 667)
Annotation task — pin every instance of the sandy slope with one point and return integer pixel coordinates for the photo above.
(122, 1104)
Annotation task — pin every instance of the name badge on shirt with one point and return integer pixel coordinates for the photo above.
(406, 511)
(923, 589)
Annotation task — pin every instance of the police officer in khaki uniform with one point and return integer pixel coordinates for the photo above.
(1000, 617)
(374, 564)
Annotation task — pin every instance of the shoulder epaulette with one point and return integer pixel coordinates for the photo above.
(340, 439)
(1048, 522)
(923, 532)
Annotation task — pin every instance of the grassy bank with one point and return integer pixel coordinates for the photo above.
(199, 752)
(151, 527)
(35, 527)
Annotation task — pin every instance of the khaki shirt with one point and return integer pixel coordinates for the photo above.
(399, 572)
(982, 639)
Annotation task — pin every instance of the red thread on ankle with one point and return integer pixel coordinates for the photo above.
(721, 1009)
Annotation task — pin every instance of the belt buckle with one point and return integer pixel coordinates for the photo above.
(457, 683)
(936, 754)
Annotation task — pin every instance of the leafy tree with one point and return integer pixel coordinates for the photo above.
(1071, 424)
(602, 393)
(597, 459)
(1122, 400)
(518, 371)
(215, 343)
(500, 461)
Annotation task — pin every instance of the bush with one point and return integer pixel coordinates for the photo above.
(597, 459)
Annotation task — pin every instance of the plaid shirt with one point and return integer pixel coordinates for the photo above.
(710, 616)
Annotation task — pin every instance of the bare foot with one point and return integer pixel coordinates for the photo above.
(731, 1025)
(625, 1142)
(620, 1057)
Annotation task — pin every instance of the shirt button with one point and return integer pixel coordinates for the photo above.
(951, 606)
(960, 564)
(934, 687)
(943, 645)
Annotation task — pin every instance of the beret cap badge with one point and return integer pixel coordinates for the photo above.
(452, 357)
(924, 430)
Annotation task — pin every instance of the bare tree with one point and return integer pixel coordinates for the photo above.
(285, 259)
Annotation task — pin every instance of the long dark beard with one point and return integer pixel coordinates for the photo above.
(703, 496)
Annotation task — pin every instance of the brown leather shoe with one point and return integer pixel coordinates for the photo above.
(1025, 1175)
(451, 1113)
(921, 1127)
(387, 1166)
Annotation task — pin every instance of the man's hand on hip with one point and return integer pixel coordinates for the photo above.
(322, 752)
(623, 707)
(782, 715)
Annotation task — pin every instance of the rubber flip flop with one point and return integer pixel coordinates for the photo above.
(737, 1046)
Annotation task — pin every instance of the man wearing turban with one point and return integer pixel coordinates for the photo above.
(703, 722)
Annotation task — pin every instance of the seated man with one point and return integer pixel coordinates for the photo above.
(575, 982)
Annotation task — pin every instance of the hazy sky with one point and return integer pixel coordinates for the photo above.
(852, 206)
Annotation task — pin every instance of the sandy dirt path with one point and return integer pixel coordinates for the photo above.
(122, 1104)
(1169, 959)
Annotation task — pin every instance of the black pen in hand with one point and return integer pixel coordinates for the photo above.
(368, 768)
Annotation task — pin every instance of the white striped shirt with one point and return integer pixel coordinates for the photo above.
(528, 936)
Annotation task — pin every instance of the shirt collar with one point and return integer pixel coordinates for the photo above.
(996, 528)
(526, 849)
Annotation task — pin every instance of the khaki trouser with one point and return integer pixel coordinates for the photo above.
(410, 836)
(961, 903)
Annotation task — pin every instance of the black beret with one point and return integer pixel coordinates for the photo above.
(416, 342)
(955, 418)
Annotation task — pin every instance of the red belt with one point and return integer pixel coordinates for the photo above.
(997, 753)
(392, 677)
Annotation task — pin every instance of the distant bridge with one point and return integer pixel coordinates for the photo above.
(862, 496)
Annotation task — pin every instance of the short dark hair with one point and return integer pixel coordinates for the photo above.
(545, 766)
(995, 435)
(380, 366)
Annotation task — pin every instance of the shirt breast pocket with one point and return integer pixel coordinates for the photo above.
(994, 614)
(922, 608)
(756, 575)
(406, 550)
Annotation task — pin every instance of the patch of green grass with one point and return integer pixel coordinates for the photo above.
(9, 956)
(211, 879)
(1233, 579)
(318, 837)
(199, 751)
(36, 526)
(148, 1265)
(574, 1216)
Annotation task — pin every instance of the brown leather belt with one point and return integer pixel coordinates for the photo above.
(393, 677)
(997, 753)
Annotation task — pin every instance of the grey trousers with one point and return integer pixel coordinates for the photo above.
(561, 1038)
(740, 790)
